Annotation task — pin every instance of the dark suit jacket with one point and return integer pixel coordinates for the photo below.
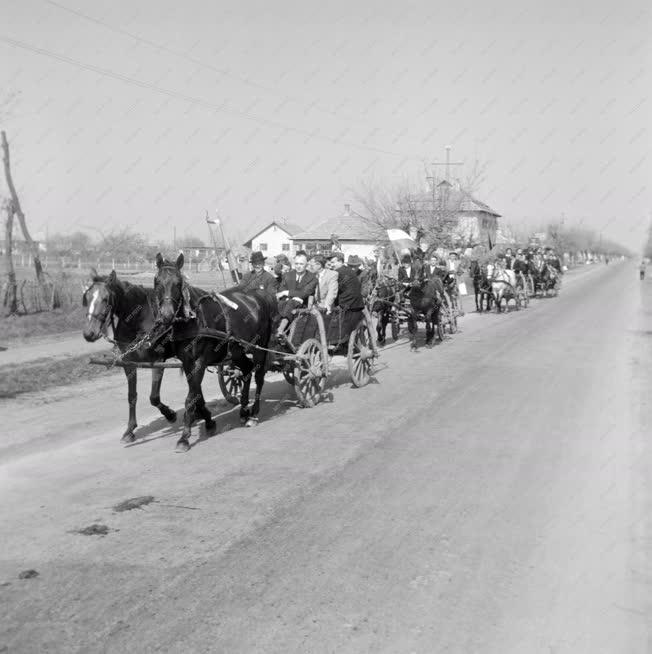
(302, 290)
(412, 277)
(349, 292)
(263, 281)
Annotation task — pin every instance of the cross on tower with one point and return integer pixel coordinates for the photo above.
(448, 163)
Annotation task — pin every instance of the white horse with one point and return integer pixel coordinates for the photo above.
(503, 285)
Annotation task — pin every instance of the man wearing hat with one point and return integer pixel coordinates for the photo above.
(354, 262)
(349, 292)
(258, 279)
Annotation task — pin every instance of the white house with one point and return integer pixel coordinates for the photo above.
(349, 232)
(275, 238)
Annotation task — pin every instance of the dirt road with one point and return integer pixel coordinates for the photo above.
(489, 495)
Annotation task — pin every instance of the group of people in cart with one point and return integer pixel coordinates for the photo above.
(330, 282)
(325, 281)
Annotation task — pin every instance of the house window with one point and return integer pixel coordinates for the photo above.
(285, 247)
(263, 247)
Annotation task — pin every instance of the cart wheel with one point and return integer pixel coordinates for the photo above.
(440, 330)
(451, 318)
(309, 372)
(360, 355)
(230, 380)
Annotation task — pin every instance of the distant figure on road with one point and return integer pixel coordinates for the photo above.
(642, 268)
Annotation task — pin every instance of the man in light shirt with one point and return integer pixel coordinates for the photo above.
(326, 291)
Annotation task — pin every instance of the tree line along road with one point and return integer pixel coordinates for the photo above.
(489, 495)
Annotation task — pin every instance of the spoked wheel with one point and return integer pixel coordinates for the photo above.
(309, 372)
(530, 291)
(231, 383)
(449, 312)
(440, 330)
(360, 355)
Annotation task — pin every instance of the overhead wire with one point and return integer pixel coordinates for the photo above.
(197, 62)
(310, 134)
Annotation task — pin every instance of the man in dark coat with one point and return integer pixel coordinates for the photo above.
(296, 287)
(349, 291)
(408, 272)
(258, 279)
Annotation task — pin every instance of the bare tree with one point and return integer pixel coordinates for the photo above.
(18, 212)
(10, 299)
(433, 213)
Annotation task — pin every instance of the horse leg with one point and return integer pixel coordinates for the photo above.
(412, 329)
(381, 327)
(241, 361)
(259, 377)
(132, 396)
(194, 370)
(155, 395)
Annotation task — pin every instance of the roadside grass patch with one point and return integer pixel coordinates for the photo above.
(22, 327)
(46, 373)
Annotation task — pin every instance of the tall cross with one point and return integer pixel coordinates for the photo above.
(448, 163)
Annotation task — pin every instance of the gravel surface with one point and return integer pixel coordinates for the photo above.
(491, 494)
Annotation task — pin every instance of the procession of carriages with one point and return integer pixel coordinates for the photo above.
(204, 331)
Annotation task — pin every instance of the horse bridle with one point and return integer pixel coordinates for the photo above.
(103, 320)
(169, 297)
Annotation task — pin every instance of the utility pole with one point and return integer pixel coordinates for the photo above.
(235, 273)
(219, 263)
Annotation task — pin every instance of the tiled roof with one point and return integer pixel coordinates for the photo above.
(457, 200)
(350, 226)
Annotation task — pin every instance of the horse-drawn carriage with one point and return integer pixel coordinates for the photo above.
(507, 285)
(303, 355)
(396, 304)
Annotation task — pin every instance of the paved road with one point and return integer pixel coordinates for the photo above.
(489, 495)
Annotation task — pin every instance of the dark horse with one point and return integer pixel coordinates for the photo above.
(124, 313)
(481, 286)
(546, 277)
(228, 323)
(426, 297)
(383, 299)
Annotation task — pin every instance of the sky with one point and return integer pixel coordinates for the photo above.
(146, 115)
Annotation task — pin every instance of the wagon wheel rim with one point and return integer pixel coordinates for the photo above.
(309, 376)
(451, 319)
(360, 356)
(230, 381)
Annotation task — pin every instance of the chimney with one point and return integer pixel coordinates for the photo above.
(347, 209)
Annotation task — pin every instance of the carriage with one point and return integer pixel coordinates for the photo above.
(508, 285)
(303, 356)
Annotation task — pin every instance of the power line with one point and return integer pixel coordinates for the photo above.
(203, 103)
(202, 64)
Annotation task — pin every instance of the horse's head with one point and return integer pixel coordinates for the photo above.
(99, 299)
(168, 288)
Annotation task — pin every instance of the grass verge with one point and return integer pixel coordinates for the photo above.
(47, 323)
(42, 374)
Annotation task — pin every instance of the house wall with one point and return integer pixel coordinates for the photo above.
(477, 227)
(273, 239)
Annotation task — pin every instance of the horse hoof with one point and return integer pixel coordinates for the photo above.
(128, 437)
(210, 424)
(183, 446)
(252, 422)
(171, 416)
